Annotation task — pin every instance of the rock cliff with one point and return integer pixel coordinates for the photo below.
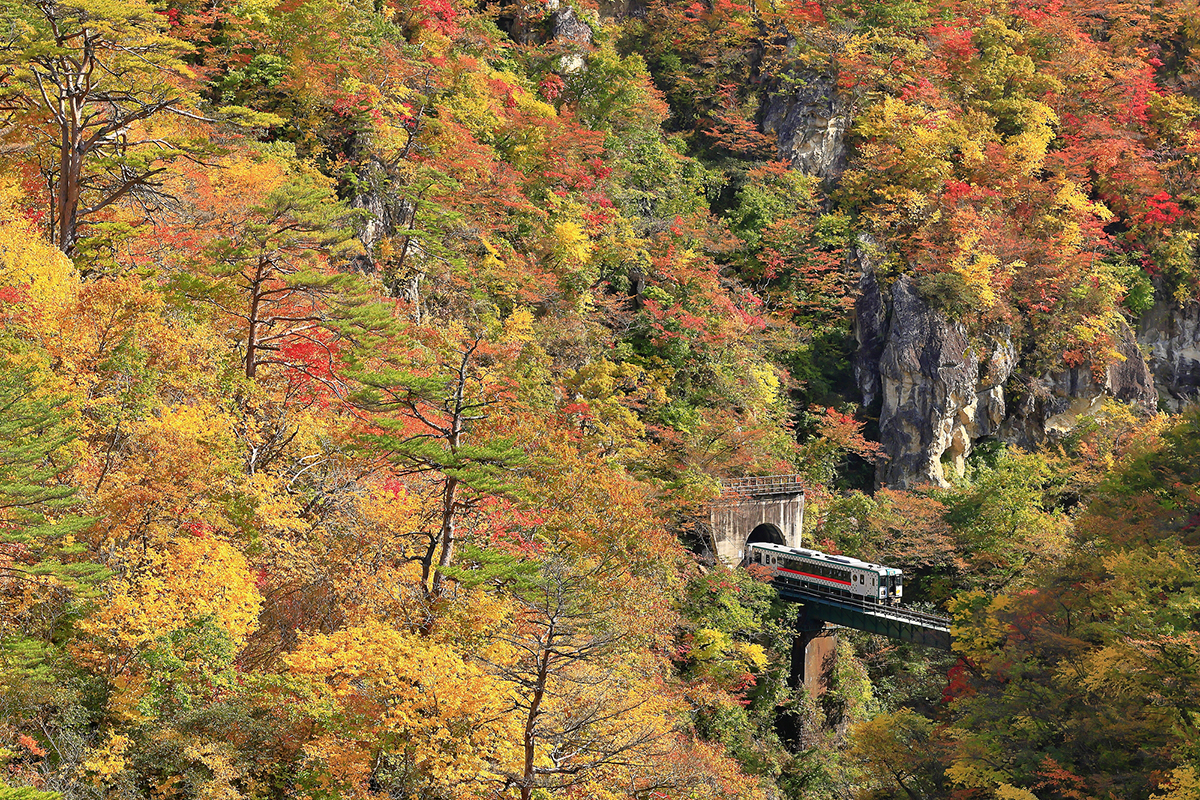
(1049, 406)
(943, 390)
(1170, 334)
(538, 23)
(870, 329)
(940, 391)
(809, 120)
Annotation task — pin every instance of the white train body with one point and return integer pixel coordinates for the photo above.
(827, 574)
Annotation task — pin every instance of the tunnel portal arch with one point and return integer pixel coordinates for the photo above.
(761, 509)
(768, 533)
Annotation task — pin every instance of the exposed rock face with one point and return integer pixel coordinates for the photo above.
(1131, 380)
(1051, 405)
(531, 27)
(566, 26)
(384, 214)
(942, 391)
(809, 122)
(870, 327)
(1171, 335)
(622, 9)
(939, 395)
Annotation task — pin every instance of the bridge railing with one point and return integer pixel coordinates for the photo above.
(930, 630)
(762, 485)
(910, 615)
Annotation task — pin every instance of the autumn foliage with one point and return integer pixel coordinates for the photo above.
(366, 369)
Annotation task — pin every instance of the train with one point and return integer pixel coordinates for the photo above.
(840, 576)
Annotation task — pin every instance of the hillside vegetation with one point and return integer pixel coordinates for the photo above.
(367, 367)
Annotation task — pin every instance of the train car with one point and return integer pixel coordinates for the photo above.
(828, 574)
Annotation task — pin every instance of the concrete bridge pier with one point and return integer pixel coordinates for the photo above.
(814, 653)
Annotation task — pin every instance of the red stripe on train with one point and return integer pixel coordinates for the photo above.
(815, 577)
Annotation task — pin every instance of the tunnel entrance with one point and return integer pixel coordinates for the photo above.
(766, 533)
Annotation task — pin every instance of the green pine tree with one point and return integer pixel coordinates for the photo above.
(35, 499)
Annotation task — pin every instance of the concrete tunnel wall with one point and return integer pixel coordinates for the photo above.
(732, 520)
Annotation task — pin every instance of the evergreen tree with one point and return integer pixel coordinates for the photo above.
(36, 526)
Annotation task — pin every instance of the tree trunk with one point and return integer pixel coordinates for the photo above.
(449, 513)
(252, 325)
(448, 533)
(529, 740)
(68, 185)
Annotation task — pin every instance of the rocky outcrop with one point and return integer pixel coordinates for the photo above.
(809, 121)
(566, 26)
(939, 394)
(942, 390)
(621, 9)
(563, 26)
(384, 213)
(1170, 334)
(1049, 406)
(1130, 379)
(870, 326)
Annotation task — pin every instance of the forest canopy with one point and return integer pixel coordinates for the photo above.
(367, 370)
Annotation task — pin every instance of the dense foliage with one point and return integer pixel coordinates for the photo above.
(366, 369)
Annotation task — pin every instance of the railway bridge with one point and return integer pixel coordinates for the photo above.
(814, 646)
(770, 508)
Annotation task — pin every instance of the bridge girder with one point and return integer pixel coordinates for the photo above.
(929, 631)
